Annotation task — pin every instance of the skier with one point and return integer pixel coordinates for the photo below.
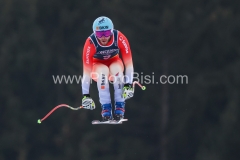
(102, 63)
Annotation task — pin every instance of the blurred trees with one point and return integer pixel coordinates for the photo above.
(39, 39)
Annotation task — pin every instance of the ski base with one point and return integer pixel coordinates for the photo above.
(109, 122)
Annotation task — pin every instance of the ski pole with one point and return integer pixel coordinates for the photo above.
(55, 108)
(141, 86)
(77, 108)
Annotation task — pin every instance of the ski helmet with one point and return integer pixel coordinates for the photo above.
(102, 24)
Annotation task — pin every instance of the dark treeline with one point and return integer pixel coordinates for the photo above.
(194, 119)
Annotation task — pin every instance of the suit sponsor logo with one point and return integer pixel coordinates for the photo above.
(124, 44)
(87, 55)
(108, 52)
(103, 81)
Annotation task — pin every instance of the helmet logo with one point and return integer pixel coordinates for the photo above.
(101, 21)
(101, 27)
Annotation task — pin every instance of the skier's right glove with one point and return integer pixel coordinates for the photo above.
(87, 102)
(127, 91)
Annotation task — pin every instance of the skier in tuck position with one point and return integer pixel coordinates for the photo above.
(102, 63)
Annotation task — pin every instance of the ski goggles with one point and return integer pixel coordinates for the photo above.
(106, 33)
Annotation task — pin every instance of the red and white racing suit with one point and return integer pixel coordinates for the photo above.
(104, 63)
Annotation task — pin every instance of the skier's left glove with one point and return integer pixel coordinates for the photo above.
(127, 91)
(87, 102)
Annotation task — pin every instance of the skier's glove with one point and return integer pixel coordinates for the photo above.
(127, 91)
(87, 102)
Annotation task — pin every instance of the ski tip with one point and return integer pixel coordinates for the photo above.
(39, 121)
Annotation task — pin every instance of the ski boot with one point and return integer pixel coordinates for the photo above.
(119, 110)
(106, 112)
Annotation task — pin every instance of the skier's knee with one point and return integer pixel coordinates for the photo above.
(101, 69)
(116, 68)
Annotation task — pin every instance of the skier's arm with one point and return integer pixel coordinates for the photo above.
(87, 58)
(126, 53)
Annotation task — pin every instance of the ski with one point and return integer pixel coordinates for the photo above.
(109, 121)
